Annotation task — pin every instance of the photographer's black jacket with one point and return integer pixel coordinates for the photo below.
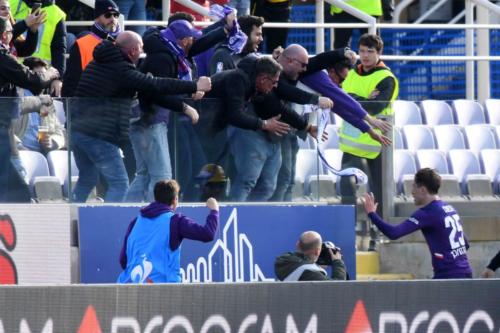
(290, 261)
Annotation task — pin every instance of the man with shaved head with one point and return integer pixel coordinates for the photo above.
(301, 264)
(100, 120)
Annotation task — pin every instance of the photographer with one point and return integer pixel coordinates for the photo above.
(303, 265)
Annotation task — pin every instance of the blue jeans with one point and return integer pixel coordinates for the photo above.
(4, 162)
(94, 156)
(257, 162)
(286, 175)
(242, 6)
(152, 160)
(189, 156)
(133, 10)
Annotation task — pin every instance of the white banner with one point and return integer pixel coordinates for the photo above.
(35, 244)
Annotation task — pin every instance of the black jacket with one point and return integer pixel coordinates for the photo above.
(74, 65)
(13, 74)
(163, 63)
(223, 55)
(109, 83)
(290, 261)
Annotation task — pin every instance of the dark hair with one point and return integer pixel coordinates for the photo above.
(247, 22)
(372, 41)
(166, 191)
(181, 16)
(33, 62)
(340, 65)
(428, 178)
(267, 65)
(3, 24)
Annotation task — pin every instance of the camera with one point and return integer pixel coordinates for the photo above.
(324, 258)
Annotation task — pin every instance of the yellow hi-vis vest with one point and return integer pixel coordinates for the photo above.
(370, 7)
(45, 31)
(351, 139)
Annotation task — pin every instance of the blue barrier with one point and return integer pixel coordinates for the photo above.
(248, 240)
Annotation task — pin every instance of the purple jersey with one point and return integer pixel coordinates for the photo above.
(440, 225)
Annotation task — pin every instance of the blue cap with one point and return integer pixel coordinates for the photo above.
(182, 29)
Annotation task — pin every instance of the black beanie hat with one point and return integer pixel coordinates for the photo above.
(105, 6)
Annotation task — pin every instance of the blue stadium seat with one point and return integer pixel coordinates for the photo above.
(480, 137)
(492, 107)
(449, 137)
(404, 164)
(464, 164)
(437, 112)
(468, 112)
(406, 113)
(434, 159)
(418, 137)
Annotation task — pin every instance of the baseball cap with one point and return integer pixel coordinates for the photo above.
(182, 29)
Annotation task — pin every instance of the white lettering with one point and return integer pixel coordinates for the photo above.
(122, 322)
(180, 321)
(156, 321)
(24, 327)
(448, 209)
(312, 325)
(476, 316)
(392, 318)
(216, 321)
(267, 327)
(419, 319)
(443, 316)
(458, 252)
(248, 321)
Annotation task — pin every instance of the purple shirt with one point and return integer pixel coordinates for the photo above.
(180, 227)
(344, 105)
(440, 225)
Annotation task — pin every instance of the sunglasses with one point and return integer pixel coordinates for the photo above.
(303, 64)
(4, 8)
(109, 14)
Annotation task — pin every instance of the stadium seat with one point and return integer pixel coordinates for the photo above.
(323, 188)
(449, 137)
(58, 166)
(464, 165)
(60, 114)
(333, 138)
(306, 165)
(480, 137)
(334, 158)
(48, 189)
(492, 107)
(450, 188)
(497, 132)
(398, 139)
(406, 113)
(491, 164)
(404, 164)
(418, 137)
(434, 159)
(437, 112)
(468, 112)
(36, 166)
(479, 187)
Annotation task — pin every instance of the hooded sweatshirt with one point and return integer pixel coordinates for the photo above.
(180, 227)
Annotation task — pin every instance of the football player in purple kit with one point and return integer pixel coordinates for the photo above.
(439, 222)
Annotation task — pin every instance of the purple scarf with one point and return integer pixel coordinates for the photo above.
(168, 38)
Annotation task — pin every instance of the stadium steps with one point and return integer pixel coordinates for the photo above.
(368, 268)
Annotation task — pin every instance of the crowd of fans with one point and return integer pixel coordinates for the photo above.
(134, 101)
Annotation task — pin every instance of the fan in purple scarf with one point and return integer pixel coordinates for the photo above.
(236, 38)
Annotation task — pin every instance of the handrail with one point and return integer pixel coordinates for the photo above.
(399, 9)
(408, 26)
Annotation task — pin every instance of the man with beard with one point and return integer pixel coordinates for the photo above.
(225, 58)
(105, 27)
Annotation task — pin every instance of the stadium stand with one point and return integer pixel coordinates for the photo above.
(492, 107)
(418, 137)
(449, 137)
(406, 113)
(437, 112)
(468, 112)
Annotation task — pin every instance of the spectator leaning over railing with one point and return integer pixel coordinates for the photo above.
(52, 34)
(100, 117)
(225, 58)
(489, 272)
(106, 27)
(13, 74)
(169, 54)
(22, 46)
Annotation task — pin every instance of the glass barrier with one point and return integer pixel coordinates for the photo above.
(92, 150)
